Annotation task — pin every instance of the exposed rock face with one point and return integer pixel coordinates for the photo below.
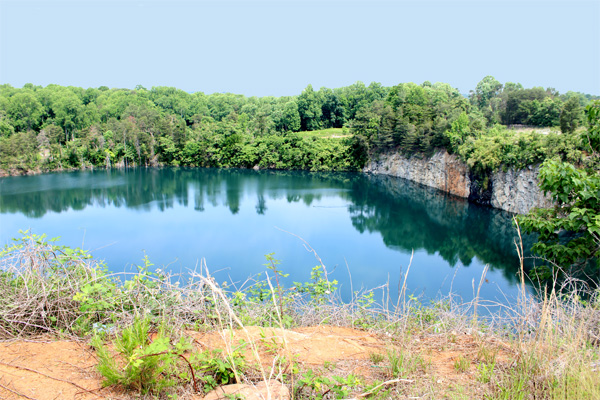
(516, 191)
(442, 171)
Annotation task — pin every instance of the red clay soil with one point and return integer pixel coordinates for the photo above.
(55, 369)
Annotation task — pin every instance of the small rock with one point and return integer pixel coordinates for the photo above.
(278, 391)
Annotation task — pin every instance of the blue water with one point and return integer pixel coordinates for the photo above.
(361, 226)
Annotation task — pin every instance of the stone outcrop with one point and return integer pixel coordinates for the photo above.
(442, 171)
(512, 190)
(518, 190)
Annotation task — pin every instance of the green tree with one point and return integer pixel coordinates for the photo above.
(519, 105)
(569, 232)
(6, 129)
(547, 113)
(570, 116)
(333, 109)
(485, 90)
(67, 109)
(25, 110)
(459, 131)
(309, 108)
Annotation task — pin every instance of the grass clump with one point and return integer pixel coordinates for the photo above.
(461, 364)
(403, 364)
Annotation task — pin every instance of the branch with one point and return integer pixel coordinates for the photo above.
(17, 393)
(177, 354)
(50, 377)
(365, 394)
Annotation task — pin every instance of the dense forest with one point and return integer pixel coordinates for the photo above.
(55, 127)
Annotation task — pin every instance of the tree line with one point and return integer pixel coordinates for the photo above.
(57, 127)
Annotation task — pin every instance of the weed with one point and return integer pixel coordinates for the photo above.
(402, 364)
(376, 358)
(486, 372)
(487, 355)
(578, 381)
(271, 345)
(328, 365)
(310, 385)
(519, 381)
(319, 289)
(272, 264)
(555, 336)
(461, 364)
(214, 369)
(452, 337)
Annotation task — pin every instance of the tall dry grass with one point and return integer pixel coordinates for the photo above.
(555, 335)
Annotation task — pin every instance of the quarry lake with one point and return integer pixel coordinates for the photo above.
(363, 227)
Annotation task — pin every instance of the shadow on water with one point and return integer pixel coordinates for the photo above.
(408, 216)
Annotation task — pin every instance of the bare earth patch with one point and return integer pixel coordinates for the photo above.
(48, 369)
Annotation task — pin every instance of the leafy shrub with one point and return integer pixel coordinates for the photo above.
(319, 289)
(500, 147)
(214, 368)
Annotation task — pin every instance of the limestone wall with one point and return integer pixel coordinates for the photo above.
(516, 191)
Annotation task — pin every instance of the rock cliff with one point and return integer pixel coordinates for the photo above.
(516, 191)
(442, 171)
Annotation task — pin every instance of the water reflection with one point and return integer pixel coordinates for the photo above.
(411, 216)
(34, 196)
(406, 215)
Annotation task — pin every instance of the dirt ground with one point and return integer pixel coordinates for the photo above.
(57, 369)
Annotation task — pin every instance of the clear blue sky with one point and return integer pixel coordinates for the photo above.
(260, 48)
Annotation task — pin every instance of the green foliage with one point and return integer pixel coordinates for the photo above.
(485, 372)
(500, 147)
(141, 363)
(459, 131)
(119, 127)
(55, 127)
(376, 358)
(570, 116)
(364, 317)
(569, 233)
(593, 132)
(311, 385)
(485, 90)
(279, 296)
(520, 381)
(413, 118)
(319, 289)
(97, 299)
(215, 369)
(19, 152)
